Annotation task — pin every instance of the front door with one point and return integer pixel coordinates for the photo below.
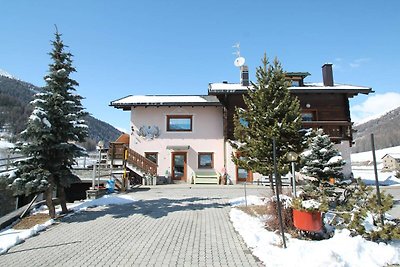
(178, 166)
(243, 175)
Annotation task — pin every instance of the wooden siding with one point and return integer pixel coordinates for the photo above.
(329, 107)
(332, 113)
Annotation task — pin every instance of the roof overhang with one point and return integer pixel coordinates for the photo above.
(128, 102)
(349, 90)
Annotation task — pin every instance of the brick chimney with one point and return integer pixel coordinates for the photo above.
(327, 74)
(244, 75)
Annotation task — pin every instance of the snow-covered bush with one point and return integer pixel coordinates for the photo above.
(321, 160)
(312, 198)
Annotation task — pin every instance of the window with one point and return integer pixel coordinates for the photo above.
(206, 161)
(179, 123)
(152, 156)
(295, 83)
(307, 116)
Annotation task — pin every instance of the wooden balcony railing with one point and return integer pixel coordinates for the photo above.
(117, 151)
(337, 130)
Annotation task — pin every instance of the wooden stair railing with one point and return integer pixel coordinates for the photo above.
(117, 151)
(141, 162)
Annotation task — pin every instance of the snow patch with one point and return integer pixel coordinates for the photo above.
(340, 250)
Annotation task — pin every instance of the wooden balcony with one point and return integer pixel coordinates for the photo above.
(117, 152)
(337, 130)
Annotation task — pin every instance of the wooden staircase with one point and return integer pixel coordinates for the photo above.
(120, 153)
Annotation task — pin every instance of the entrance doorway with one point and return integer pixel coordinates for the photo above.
(243, 175)
(178, 166)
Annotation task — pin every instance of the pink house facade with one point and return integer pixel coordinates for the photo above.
(183, 135)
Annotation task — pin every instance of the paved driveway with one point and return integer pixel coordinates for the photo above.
(171, 225)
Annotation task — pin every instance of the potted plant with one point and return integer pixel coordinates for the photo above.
(308, 208)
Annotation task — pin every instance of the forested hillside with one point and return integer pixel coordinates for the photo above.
(386, 130)
(15, 109)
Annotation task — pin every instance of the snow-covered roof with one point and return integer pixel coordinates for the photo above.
(393, 155)
(227, 87)
(166, 100)
(307, 88)
(336, 86)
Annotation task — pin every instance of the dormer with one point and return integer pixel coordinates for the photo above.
(296, 78)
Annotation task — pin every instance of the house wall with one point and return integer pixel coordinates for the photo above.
(345, 150)
(206, 135)
(390, 163)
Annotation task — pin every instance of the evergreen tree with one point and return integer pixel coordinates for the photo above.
(271, 112)
(321, 160)
(54, 127)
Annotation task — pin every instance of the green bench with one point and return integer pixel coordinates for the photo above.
(206, 177)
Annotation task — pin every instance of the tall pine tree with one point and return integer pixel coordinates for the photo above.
(321, 160)
(271, 112)
(54, 128)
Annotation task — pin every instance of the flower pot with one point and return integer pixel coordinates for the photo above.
(307, 220)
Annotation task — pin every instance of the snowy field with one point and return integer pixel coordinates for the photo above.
(340, 250)
(362, 167)
(367, 156)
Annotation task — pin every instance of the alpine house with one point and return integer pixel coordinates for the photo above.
(187, 136)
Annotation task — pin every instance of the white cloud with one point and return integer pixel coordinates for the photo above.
(375, 106)
(358, 62)
(343, 64)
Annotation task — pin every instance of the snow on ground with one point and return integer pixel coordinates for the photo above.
(362, 167)
(10, 237)
(251, 200)
(367, 156)
(4, 148)
(5, 144)
(340, 250)
(384, 178)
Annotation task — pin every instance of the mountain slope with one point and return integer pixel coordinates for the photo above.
(15, 96)
(386, 130)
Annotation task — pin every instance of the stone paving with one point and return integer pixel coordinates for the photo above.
(171, 225)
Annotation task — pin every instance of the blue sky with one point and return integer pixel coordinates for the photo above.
(178, 47)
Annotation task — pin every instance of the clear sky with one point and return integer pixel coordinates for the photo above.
(178, 47)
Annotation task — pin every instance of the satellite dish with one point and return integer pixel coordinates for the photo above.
(239, 61)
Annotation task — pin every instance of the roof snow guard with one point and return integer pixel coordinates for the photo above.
(164, 100)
